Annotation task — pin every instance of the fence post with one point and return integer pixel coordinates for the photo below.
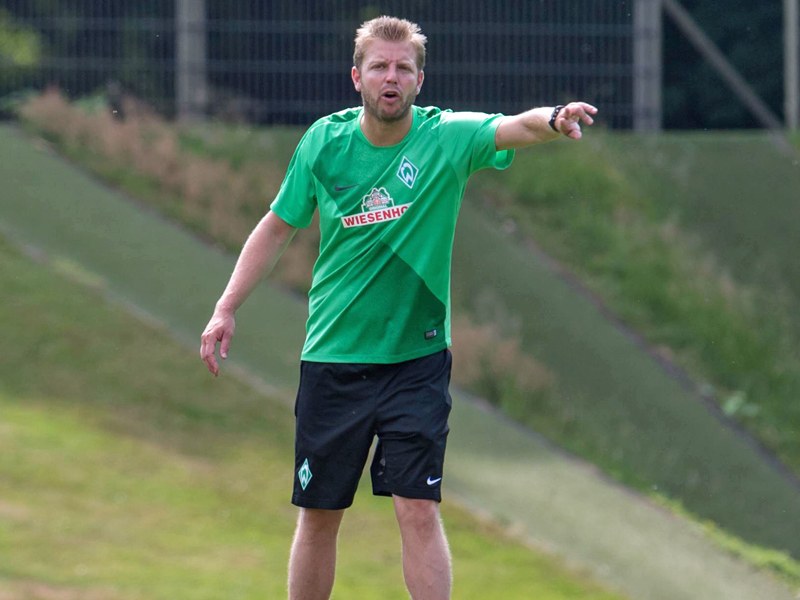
(647, 21)
(710, 52)
(791, 64)
(191, 87)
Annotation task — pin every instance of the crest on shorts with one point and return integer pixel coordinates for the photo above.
(304, 475)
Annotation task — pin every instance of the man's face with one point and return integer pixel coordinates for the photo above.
(388, 80)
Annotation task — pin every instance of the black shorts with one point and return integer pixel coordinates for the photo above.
(341, 407)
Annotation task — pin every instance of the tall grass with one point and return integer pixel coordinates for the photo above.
(219, 180)
(491, 363)
(165, 167)
(737, 340)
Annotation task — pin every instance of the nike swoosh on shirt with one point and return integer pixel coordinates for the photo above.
(433, 481)
(341, 188)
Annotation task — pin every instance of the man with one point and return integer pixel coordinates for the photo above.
(387, 179)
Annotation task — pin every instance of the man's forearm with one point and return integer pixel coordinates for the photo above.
(533, 126)
(259, 255)
(525, 129)
(536, 121)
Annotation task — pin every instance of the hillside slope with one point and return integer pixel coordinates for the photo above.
(99, 236)
(622, 403)
(749, 221)
(736, 342)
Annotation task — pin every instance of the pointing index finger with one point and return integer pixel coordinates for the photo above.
(581, 111)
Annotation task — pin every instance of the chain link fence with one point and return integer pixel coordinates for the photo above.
(289, 61)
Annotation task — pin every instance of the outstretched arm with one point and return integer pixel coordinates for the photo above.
(532, 126)
(260, 253)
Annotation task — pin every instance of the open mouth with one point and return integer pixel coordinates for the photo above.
(390, 95)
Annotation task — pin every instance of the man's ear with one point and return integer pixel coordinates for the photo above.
(356, 77)
(420, 79)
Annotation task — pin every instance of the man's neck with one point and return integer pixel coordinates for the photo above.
(381, 133)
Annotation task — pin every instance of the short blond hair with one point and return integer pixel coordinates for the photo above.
(389, 29)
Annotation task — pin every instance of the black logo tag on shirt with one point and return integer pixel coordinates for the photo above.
(429, 335)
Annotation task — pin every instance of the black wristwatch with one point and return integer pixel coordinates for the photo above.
(554, 116)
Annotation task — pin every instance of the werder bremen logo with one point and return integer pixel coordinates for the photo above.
(407, 172)
(304, 475)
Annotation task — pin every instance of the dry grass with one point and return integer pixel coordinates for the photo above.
(224, 203)
(33, 590)
(492, 363)
(211, 196)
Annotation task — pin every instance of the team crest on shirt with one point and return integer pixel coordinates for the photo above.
(407, 172)
(376, 207)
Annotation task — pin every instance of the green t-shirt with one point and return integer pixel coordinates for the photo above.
(381, 285)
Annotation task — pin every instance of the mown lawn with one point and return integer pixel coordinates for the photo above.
(127, 472)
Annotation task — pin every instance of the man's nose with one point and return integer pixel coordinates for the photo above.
(391, 73)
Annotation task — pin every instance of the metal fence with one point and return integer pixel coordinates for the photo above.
(289, 61)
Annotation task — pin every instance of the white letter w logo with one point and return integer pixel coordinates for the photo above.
(407, 172)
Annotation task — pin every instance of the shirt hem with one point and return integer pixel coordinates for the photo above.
(279, 209)
(383, 359)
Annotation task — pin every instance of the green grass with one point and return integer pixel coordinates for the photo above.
(763, 558)
(240, 145)
(701, 262)
(127, 472)
(686, 243)
(617, 408)
(95, 235)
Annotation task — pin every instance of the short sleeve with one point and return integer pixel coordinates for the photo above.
(485, 154)
(468, 137)
(296, 199)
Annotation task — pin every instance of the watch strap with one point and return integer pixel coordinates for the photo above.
(554, 116)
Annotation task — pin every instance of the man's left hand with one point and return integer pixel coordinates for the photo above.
(570, 117)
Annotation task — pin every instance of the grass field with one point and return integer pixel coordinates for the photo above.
(677, 236)
(126, 474)
(619, 408)
(736, 340)
(95, 236)
(679, 271)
